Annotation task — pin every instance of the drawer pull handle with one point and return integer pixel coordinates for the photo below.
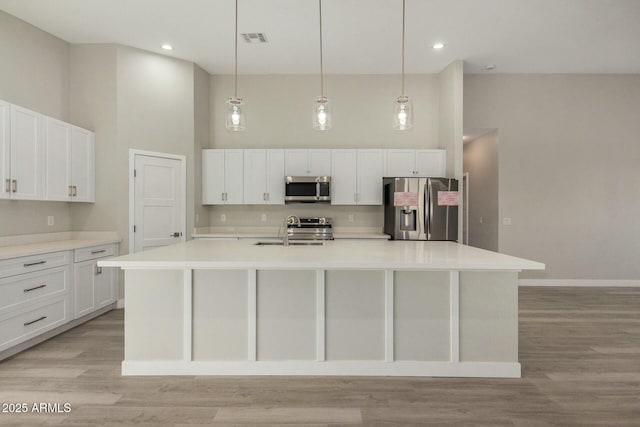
(98, 252)
(34, 288)
(34, 263)
(34, 321)
(98, 270)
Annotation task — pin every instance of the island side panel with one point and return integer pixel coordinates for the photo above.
(355, 314)
(488, 316)
(220, 314)
(153, 317)
(422, 315)
(286, 314)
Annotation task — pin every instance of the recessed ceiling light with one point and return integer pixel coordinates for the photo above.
(490, 67)
(438, 46)
(167, 46)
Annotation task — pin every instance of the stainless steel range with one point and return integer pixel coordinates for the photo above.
(310, 229)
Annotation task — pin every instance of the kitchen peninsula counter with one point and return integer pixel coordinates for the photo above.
(230, 307)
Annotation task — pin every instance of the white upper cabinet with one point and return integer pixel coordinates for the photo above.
(344, 177)
(417, 163)
(5, 156)
(356, 177)
(82, 162)
(57, 163)
(70, 157)
(313, 162)
(370, 168)
(222, 177)
(264, 177)
(27, 154)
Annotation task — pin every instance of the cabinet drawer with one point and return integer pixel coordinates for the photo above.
(28, 264)
(32, 287)
(34, 321)
(94, 252)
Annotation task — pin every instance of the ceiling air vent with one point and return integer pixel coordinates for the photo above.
(254, 37)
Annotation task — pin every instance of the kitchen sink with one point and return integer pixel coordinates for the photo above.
(290, 244)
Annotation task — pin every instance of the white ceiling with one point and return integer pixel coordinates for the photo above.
(361, 36)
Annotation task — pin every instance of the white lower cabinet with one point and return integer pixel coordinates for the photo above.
(41, 292)
(95, 287)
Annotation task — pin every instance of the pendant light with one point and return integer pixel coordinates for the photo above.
(236, 120)
(321, 106)
(402, 108)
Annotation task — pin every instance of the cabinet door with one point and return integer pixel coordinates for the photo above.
(369, 169)
(255, 173)
(82, 165)
(212, 177)
(5, 142)
(343, 177)
(296, 163)
(275, 177)
(233, 176)
(84, 288)
(430, 163)
(5, 159)
(401, 163)
(104, 288)
(319, 163)
(58, 160)
(27, 154)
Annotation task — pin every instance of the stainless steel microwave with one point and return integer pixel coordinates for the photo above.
(307, 189)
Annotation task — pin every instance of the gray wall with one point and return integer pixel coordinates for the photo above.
(481, 162)
(569, 156)
(201, 136)
(34, 73)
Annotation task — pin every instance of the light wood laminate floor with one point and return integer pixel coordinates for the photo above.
(579, 349)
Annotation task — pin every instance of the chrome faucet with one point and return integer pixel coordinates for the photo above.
(290, 220)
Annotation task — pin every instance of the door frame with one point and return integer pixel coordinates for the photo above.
(133, 152)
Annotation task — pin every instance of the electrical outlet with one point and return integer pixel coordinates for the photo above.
(264, 218)
(350, 217)
(506, 220)
(50, 220)
(223, 217)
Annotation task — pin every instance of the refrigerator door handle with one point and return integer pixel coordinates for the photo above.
(429, 208)
(421, 208)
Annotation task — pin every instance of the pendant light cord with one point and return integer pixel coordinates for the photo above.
(321, 64)
(403, 4)
(235, 90)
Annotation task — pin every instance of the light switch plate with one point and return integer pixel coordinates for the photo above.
(223, 217)
(350, 217)
(50, 220)
(506, 221)
(264, 217)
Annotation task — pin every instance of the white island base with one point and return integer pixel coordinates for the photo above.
(319, 322)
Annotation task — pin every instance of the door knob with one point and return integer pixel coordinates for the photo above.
(176, 234)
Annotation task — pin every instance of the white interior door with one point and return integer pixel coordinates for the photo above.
(158, 202)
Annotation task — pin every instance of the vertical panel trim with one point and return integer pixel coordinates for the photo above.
(320, 315)
(388, 316)
(454, 310)
(187, 333)
(251, 313)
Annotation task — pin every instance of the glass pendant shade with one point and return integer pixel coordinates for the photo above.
(402, 113)
(321, 114)
(235, 114)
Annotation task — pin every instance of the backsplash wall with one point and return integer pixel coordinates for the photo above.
(251, 215)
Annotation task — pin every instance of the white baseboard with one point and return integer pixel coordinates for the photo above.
(350, 368)
(580, 283)
(120, 303)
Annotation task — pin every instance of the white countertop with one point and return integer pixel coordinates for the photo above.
(270, 232)
(337, 254)
(54, 242)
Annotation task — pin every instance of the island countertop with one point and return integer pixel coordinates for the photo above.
(341, 255)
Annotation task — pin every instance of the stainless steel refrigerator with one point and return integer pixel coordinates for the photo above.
(421, 208)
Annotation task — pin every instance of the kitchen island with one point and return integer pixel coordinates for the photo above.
(340, 308)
